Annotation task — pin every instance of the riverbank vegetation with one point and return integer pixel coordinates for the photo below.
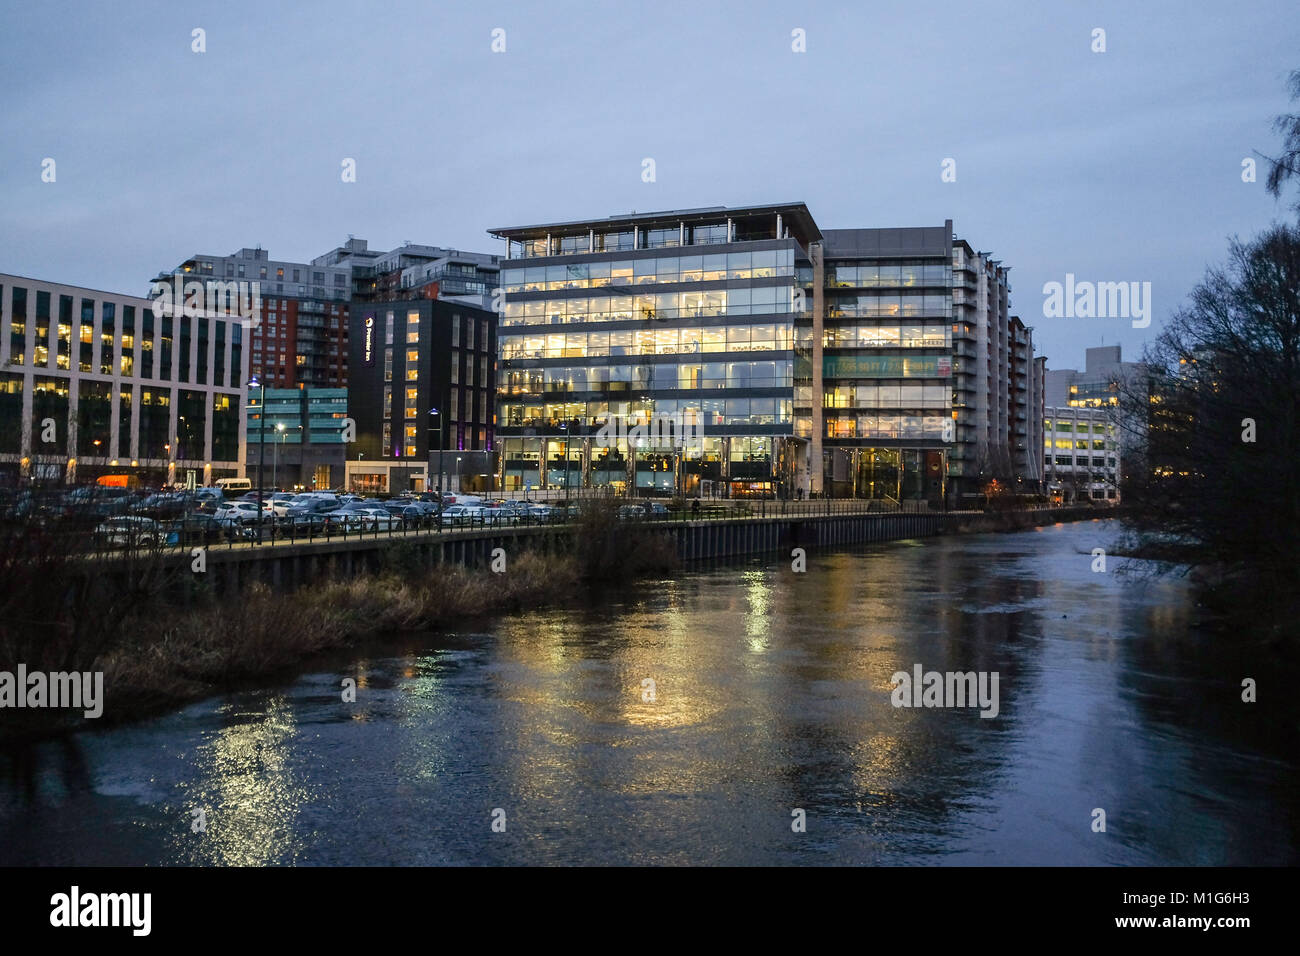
(62, 615)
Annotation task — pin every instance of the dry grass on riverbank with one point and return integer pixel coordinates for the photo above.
(186, 653)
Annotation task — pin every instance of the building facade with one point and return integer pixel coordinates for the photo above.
(1081, 447)
(869, 369)
(300, 337)
(422, 393)
(679, 323)
(1097, 385)
(296, 438)
(96, 383)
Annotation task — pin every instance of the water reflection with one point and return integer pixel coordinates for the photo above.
(771, 691)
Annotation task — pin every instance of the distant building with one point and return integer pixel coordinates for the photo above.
(417, 272)
(95, 383)
(297, 441)
(1081, 446)
(301, 336)
(1096, 386)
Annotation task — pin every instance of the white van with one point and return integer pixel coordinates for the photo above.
(227, 485)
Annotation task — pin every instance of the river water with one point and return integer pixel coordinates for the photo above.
(771, 695)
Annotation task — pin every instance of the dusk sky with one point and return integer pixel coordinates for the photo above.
(1115, 166)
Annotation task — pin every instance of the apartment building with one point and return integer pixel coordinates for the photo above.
(300, 337)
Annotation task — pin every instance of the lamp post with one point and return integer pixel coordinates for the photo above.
(458, 476)
(565, 427)
(275, 458)
(261, 447)
(438, 428)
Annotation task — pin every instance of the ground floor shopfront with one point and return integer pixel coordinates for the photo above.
(735, 466)
(900, 474)
(721, 467)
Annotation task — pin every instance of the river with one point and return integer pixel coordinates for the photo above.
(771, 695)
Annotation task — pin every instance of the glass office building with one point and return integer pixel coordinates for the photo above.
(867, 363)
(654, 354)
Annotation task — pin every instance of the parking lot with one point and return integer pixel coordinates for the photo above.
(106, 519)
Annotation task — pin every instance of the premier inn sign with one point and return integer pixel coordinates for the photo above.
(370, 340)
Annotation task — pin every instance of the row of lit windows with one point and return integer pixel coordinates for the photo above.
(931, 426)
(591, 275)
(1064, 425)
(1097, 443)
(910, 395)
(887, 336)
(664, 305)
(125, 364)
(525, 451)
(701, 413)
(869, 276)
(648, 377)
(727, 338)
(888, 304)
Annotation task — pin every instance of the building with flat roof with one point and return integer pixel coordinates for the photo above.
(1097, 385)
(422, 393)
(1081, 448)
(300, 336)
(679, 322)
(296, 438)
(868, 369)
(95, 383)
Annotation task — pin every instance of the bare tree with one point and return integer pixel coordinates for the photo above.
(1286, 166)
(1218, 483)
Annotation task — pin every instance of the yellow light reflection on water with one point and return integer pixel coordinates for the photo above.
(251, 798)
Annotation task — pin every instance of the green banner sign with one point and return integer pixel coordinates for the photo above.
(886, 366)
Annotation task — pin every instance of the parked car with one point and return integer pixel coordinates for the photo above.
(301, 523)
(655, 509)
(540, 513)
(312, 503)
(194, 528)
(375, 518)
(457, 516)
(241, 512)
(280, 503)
(132, 531)
(631, 512)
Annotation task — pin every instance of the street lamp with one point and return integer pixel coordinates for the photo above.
(438, 427)
(565, 427)
(458, 476)
(261, 447)
(275, 458)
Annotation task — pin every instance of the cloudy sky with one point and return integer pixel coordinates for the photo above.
(1123, 165)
